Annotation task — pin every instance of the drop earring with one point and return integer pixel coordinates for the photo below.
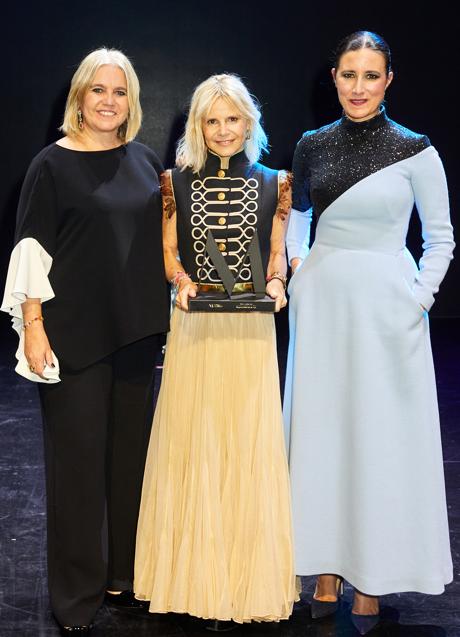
(80, 119)
(248, 134)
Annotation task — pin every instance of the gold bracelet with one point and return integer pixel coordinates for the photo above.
(30, 321)
(277, 275)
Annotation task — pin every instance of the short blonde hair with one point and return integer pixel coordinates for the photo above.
(191, 149)
(81, 81)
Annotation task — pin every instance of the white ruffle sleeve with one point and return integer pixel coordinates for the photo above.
(28, 278)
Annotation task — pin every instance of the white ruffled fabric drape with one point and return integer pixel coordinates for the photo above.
(28, 278)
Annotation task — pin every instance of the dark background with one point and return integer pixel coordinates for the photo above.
(282, 52)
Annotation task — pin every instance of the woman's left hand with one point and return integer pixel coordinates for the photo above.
(275, 289)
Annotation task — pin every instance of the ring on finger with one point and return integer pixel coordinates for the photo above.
(32, 368)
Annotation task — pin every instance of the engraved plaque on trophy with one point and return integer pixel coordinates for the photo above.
(228, 300)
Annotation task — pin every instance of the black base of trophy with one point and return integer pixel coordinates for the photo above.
(220, 302)
(217, 301)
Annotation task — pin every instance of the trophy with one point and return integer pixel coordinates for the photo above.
(228, 301)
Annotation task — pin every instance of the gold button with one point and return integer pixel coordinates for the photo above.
(221, 196)
(221, 221)
(222, 247)
(221, 173)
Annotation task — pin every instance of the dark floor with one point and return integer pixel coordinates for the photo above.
(24, 610)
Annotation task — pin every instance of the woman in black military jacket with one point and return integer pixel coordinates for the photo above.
(215, 515)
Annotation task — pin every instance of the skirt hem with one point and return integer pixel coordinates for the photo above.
(383, 587)
(205, 616)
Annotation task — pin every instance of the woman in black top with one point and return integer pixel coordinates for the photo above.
(87, 293)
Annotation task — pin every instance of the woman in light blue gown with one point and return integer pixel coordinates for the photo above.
(360, 401)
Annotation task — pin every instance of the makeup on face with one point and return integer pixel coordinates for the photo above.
(224, 128)
(105, 104)
(361, 80)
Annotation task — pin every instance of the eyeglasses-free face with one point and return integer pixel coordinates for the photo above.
(361, 80)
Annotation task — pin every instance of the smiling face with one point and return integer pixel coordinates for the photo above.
(361, 80)
(105, 103)
(224, 128)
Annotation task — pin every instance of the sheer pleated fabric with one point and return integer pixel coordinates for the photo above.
(214, 535)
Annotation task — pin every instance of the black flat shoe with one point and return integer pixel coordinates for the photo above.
(125, 599)
(218, 626)
(75, 630)
(319, 609)
(364, 623)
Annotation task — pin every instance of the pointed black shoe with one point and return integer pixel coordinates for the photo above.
(319, 609)
(219, 626)
(125, 599)
(364, 623)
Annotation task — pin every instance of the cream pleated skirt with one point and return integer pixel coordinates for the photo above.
(214, 537)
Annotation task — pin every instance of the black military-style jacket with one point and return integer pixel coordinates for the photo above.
(231, 197)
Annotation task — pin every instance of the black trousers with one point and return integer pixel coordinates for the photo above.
(96, 428)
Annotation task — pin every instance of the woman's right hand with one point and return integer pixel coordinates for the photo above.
(37, 348)
(187, 289)
(295, 262)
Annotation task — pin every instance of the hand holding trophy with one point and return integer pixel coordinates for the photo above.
(228, 301)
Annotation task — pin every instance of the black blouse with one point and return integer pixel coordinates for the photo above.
(98, 215)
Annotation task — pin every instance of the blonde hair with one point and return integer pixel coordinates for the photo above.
(81, 81)
(191, 149)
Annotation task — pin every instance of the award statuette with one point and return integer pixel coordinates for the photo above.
(228, 301)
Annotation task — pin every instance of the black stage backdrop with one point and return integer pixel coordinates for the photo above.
(282, 52)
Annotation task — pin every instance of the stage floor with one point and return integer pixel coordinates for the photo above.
(24, 610)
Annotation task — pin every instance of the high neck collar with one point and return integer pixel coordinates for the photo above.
(214, 161)
(373, 123)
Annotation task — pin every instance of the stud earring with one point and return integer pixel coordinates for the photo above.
(80, 119)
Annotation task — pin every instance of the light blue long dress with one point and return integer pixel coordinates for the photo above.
(360, 402)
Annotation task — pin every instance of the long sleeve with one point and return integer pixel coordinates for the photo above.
(298, 233)
(432, 201)
(89, 225)
(300, 182)
(31, 258)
